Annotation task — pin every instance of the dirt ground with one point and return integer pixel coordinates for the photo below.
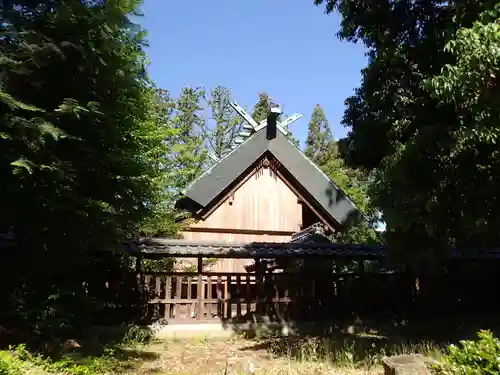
(231, 357)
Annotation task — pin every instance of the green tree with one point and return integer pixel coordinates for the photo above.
(431, 147)
(322, 149)
(188, 153)
(165, 219)
(320, 145)
(226, 123)
(79, 155)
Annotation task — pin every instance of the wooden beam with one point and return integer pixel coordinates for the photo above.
(240, 231)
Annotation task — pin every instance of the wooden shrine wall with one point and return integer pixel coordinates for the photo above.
(262, 209)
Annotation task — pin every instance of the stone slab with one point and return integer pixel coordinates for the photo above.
(408, 364)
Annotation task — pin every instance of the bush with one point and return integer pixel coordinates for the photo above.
(137, 335)
(19, 360)
(480, 357)
(9, 365)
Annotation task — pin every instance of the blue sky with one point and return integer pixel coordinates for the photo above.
(288, 49)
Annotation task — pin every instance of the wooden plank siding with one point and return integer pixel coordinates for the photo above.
(263, 203)
(262, 209)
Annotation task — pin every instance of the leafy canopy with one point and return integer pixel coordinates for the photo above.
(81, 156)
(424, 121)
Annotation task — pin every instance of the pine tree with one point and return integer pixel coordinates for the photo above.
(320, 145)
(188, 152)
(164, 219)
(79, 155)
(323, 150)
(226, 123)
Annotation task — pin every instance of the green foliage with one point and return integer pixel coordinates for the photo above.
(20, 360)
(423, 121)
(320, 145)
(322, 149)
(227, 123)
(158, 265)
(263, 107)
(9, 365)
(478, 357)
(23, 359)
(188, 157)
(182, 157)
(81, 158)
(163, 219)
(137, 335)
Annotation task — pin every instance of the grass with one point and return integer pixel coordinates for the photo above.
(270, 355)
(90, 357)
(115, 360)
(201, 355)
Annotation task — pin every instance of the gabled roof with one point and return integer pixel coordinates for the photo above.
(322, 192)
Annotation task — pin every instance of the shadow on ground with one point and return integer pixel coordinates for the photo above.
(360, 340)
(117, 343)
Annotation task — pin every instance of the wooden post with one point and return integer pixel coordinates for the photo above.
(361, 287)
(140, 282)
(178, 297)
(248, 295)
(169, 307)
(138, 264)
(260, 285)
(220, 299)
(361, 267)
(158, 296)
(238, 295)
(229, 313)
(201, 290)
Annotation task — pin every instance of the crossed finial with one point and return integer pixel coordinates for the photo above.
(251, 126)
(282, 125)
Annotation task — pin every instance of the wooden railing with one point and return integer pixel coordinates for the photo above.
(191, 297)
(209, 296)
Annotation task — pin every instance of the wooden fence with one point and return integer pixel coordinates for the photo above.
(460, 289)
(191, 297)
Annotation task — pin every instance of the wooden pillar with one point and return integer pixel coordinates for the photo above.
(201, 290)
(260, 285)
(138, 264)
(141, 284)
(361, 267)
(360, 288)
(138, 271)
(169, 307)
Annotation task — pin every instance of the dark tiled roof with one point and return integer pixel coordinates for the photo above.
(7, 240)
(157, 247)
(324, 193)
(184, 248)
(493, 253)
(315, 233)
